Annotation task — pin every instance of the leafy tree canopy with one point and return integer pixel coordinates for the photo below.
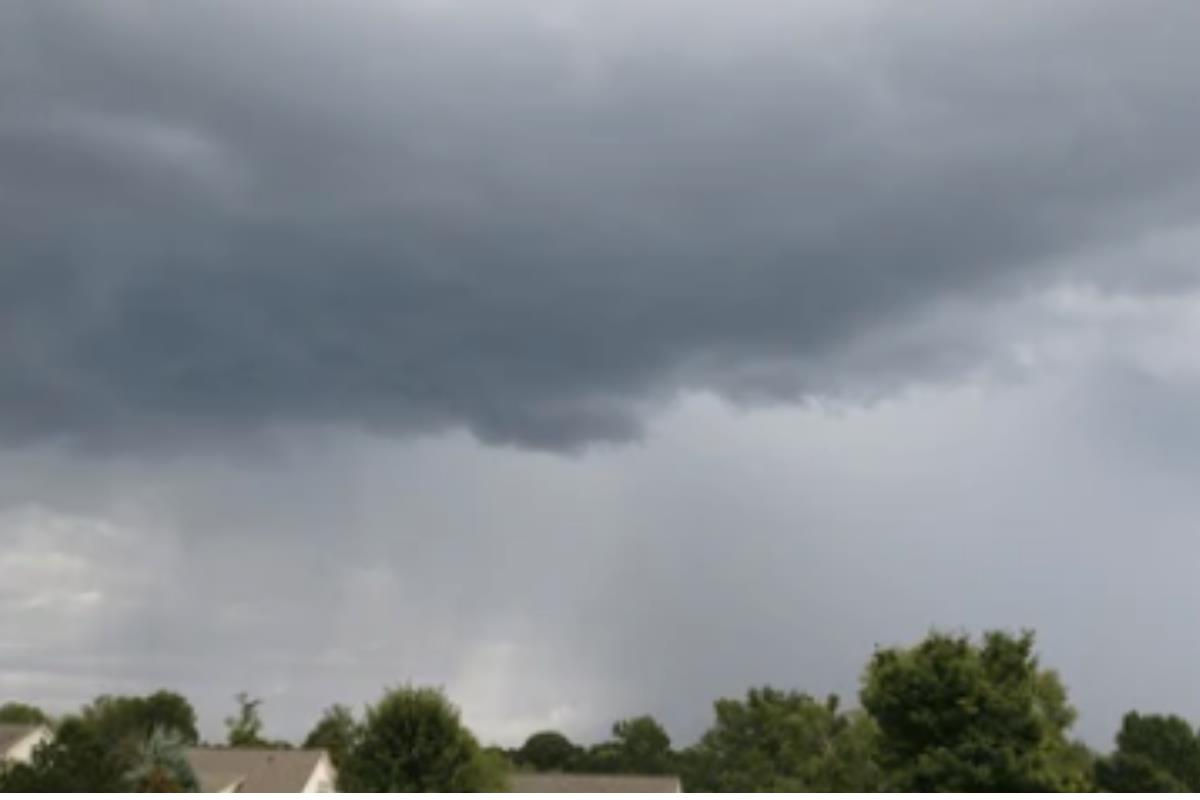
(548, 751)
(957, 716)
(1122, 772)
(413, 740)
(337, 731)
(130, 719)
(642, 746)
(22, 714)
(1153, 751)
(782, 741)
(245, 727)
(107, 746)
(77, 759)
(603, 757)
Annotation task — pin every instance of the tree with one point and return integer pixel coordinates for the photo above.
(22, 714)
(337, 731)
(413, 740)
(129, 720)
(643, 746)
(639, 745)
(956, 716)
(161, 765)
(121, 724)
(1122, 772)
(548, 751)
(245, 728)
(1153, 751)
(100, 748)
(604, 757)
(782, 741)
(493, 770)
(77, 759)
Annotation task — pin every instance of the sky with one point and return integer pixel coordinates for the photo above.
(591, 358)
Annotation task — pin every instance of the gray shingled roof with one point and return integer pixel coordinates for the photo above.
(11, 734)
(252, 770)
(543, 782)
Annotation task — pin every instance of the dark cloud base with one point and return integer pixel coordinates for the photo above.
(215, 220)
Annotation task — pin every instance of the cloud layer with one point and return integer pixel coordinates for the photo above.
(538, 221)
(908, 292)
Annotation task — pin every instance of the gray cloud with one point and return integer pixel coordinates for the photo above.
(730, 548)
(375, 234)
(539, 220)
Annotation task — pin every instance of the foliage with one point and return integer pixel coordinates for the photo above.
(126, 721)
(1077, 760)
(494, 768)
(22, 714)
(245, 728)
(782, 741)
(337, 731)
(1154, 753)
(603, 757)
(548, 751)
(642, 746)
(956, 716)
(77, 759)
(947, 714)
(106, 746)
(161, 765)
(1123, 772)
(414, 741)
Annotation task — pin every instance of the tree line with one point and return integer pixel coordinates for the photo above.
(948, 714)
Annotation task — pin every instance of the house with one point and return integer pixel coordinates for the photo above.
(228, 769)
(17, 742)
(573, 783)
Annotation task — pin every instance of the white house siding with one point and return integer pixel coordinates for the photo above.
(22, 751)
(324, 777)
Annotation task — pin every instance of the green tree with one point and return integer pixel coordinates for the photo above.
(161, 765)
(1122, 772)
(851, 760)
(956, 716)
(493, 770)
(22, 714)
(337, 731)
(782, 741)
(126, 721)
(245, 728)
(642, 746)
(100, 748)
(1153, 751)
(548, 751)
(77, 759)
(413, 740)
(123, 723)
(603, 757)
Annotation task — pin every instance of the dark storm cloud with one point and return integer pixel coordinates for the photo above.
(534, 219)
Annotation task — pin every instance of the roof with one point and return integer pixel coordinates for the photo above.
(12, 735)
(542, 782)
(212, 781)
(253, 770)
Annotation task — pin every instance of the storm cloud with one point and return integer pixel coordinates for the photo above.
(856, 318)
(541, 221)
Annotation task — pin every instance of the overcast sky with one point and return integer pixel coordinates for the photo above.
(594, 357)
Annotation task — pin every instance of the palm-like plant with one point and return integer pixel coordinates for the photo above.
(160, 764)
